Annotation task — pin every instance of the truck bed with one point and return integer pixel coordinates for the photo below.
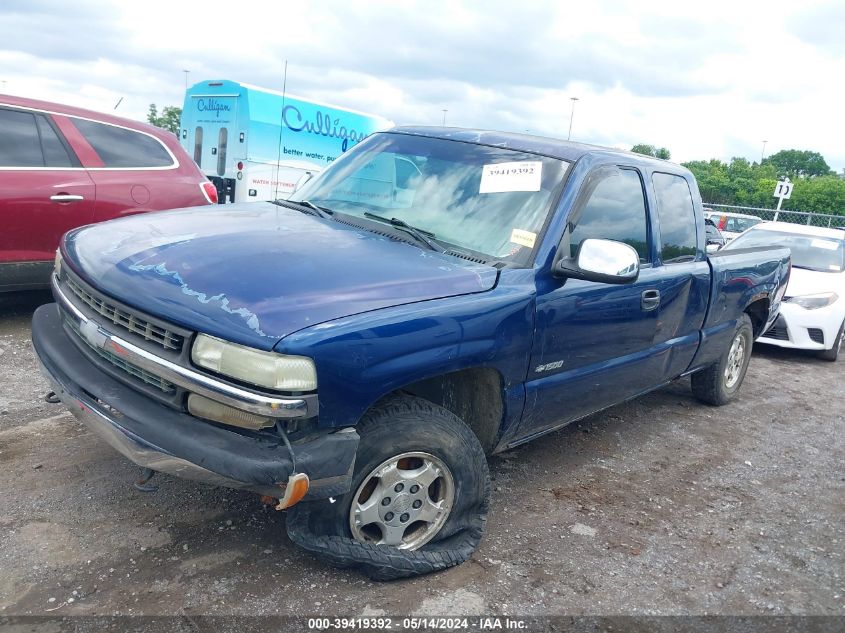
(739, 277)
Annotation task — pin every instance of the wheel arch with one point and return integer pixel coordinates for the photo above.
(758, 312)
(475, 394)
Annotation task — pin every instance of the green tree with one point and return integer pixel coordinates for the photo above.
(823, 194)
(167, 120)
(796, 163)
(651, 150)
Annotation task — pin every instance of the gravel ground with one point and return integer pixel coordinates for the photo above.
(658, 506)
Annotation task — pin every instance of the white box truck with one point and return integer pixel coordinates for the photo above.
(256, 144)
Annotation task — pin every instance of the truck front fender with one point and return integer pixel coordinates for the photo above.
(362, 358)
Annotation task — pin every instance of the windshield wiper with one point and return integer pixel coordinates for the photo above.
(421, 235)
(324, 212)
(306, 206)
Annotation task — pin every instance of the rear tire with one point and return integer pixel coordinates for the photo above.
(833, 353)
(719, 383)
(406, 435)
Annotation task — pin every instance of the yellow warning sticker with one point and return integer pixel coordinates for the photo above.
(523, 238)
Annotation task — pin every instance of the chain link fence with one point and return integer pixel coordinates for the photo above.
(795, 217)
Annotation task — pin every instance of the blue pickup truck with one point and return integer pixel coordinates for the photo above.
(435, 296)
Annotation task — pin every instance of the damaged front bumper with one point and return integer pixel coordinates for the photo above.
(166, 440)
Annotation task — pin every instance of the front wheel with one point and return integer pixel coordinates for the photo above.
(418, 501)
(719, 383)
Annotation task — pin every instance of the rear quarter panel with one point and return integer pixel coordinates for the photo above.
(127, 191)
(739, 278)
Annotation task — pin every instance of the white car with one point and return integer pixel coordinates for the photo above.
(731, 224)
(812, 314)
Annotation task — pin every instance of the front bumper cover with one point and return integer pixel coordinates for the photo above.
(158, 437)
(798, 322)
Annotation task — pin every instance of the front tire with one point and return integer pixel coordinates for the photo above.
(418, 500)
(833, 353)
(719, 383)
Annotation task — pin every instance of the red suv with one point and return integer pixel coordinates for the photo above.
(62, 167)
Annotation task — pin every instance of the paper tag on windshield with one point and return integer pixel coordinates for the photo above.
(524, 175)
(825, 244)
(523, 238)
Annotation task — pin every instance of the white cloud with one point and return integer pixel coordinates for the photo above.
(705, 81)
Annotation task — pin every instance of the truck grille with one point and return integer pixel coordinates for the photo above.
(778, 331)
(120, 317)
(129, 368)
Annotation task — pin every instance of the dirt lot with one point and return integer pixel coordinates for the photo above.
(660, 506)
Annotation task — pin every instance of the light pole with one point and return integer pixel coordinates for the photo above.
(763, 153)
(571, 116)
(186, 78)
(444, 115)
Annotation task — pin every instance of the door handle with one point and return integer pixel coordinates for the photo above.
(650, 299)
(66, 197)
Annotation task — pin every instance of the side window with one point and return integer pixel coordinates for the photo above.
(55, 152)
(119, 147)
(198, 146)
(615, 210)
(19, 143)
(677, 218)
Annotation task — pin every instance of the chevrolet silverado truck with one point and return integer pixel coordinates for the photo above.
(435, 296)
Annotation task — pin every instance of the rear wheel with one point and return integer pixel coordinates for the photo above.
(418, 501)
(833, 353)
(719, 383)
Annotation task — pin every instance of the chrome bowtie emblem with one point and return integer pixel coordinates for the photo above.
(92, 333)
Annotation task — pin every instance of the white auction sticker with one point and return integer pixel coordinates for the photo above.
(523, 175)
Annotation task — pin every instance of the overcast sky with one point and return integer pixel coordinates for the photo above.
(705, 79)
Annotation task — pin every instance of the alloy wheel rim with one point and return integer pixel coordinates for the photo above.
(736, 356)
(403, 502)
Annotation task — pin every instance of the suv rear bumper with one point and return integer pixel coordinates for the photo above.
(158, 437)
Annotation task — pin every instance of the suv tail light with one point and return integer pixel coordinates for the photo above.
(209, 191)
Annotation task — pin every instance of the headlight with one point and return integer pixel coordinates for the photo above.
(57, 264)
(265, 369)
(812, 302)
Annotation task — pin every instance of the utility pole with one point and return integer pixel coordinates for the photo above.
(444, 115)
(571, 116)
(763, 153)
(186, 79)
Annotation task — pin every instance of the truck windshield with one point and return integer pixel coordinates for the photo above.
(821, 254)
(489, 200)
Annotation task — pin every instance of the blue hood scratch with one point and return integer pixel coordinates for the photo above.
(249, 317)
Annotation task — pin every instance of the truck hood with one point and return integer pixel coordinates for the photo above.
(255, 272)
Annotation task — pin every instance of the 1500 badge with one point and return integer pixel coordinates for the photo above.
(548, 366)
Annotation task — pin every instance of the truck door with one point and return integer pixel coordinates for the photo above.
(684, 279)
(594, 342)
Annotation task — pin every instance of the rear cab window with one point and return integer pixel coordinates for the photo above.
(676, 214)
(120, 147)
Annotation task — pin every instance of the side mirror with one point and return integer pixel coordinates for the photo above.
(304, 178)
(712, 247)
(604, 261)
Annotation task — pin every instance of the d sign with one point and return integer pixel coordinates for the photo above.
(782, 192)
(783, 189)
